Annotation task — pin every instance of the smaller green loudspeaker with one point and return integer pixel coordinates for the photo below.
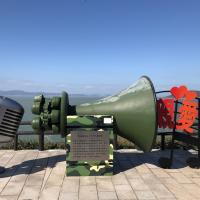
(51, 114)
(134, 110)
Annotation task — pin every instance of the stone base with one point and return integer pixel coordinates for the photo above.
(89, 167)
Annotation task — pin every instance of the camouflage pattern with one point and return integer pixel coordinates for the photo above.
(88, 168)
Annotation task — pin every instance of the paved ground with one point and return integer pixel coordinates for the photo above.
(32, 174)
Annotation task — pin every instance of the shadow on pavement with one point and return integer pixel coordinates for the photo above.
(33, 166)
(128, 160)
(123, 160)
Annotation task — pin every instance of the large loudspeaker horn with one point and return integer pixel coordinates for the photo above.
(134, 110)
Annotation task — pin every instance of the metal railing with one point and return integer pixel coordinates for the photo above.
(42, 133)
(40, 136)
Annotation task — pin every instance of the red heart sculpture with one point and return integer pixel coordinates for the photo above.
(179, 92)
(191, 95)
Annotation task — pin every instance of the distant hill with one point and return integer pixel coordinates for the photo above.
(15, 93)
(32, 94)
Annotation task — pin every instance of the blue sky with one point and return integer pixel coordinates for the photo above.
(98, 46)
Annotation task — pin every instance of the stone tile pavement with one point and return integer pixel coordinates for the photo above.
(31, 174)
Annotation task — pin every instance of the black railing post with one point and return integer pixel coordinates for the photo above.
(199, 128)
(162, 141)
(174, 130)
(115, 143)
(41, 141)
(16, 142)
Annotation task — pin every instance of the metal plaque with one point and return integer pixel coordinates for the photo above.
(89, 145)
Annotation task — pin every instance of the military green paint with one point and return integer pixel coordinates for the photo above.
(55, 115)
(85, 170)
(134, 110)
(89, 120)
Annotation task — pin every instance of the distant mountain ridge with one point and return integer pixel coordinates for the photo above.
(32, 94)
(25, 93)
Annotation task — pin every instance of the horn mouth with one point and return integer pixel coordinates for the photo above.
(134, 110)
(155, 106)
